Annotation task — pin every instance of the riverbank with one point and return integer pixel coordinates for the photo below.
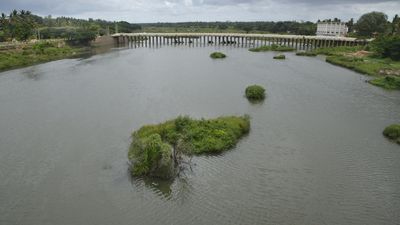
(19, 55)
(386, 72)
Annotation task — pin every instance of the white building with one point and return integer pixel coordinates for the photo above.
(332, 29)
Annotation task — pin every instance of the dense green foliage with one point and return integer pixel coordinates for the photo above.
(19, 25)
(217, 55)
(311, 54)
(387, 82)
(387, 46)
(151, 149)
(370, 23)
(280, 56)
(278, 48)
(255, 92)
(36, 53)
(392, 132)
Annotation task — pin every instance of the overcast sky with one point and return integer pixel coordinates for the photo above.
(141, 11)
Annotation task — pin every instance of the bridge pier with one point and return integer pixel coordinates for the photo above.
(244, 40)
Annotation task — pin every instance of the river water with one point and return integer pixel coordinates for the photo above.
(315, 154)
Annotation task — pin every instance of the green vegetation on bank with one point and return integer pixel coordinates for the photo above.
(155, 148)
(392, 132)
(217, 55)
(380, 58)
(255, 93)
(387, 82)
(36, 53)
(278, 48)
(280, 56)
(23, 25)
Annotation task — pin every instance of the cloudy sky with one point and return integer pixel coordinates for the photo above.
(140, 11)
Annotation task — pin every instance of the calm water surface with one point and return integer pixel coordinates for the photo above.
(315, 154)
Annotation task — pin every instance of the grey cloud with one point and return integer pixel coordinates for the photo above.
(205, 10)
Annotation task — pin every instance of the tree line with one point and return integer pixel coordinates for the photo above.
(23, 25)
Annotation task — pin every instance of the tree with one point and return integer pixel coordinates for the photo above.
(396, 25)
(370, 23)
(350, 25)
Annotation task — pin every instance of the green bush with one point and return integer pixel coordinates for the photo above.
(280, 56)
(255, 92)
(217, 55)
(151, 150)
(387, 47)
(274, 47)
(151, 156)
(392, 132)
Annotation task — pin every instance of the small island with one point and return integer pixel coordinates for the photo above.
(255, 93)
(280, 56)
(156, 150)
(306, 53)
(217, 55)
(392, 132)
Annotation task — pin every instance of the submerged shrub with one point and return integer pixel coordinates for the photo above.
(280, 56)
(392, 132)
(150, 156)
(255, 92)
(217, 55)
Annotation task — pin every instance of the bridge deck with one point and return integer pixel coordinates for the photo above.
(278, 36)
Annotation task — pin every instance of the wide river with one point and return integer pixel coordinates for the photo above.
(315, 154)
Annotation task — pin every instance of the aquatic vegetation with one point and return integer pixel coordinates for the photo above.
(311, 54)
(217, 55)
(280, 56)
(155, 149)
(278, 48)
(255, 92)
(392, 132)
(387, 82)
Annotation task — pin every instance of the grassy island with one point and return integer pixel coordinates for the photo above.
(155, 149)
(217, 55)
(280, 56)
(392, 132)
(278, 48)
(255, 93)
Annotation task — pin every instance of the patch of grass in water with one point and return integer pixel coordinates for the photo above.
(278, 48)
(310, 54)
(392, 132)
(255, 93)
(280, 56)
(217, 55)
